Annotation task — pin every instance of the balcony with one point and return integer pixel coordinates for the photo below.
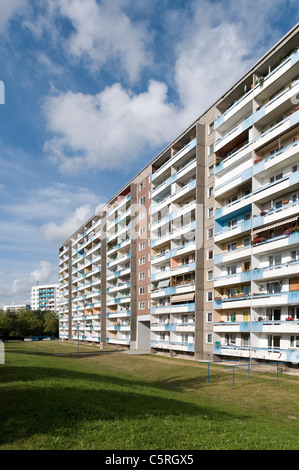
(276, 189)
(236, 206)
(226, 184)
(176, 157)
(266, 326)
(259, 353)
(171, 308)
(231, 232)
(177, 232)
(232, 279)
(274, 132)
(235, 113)
(272, 272)
(173, 345)
(285, 214)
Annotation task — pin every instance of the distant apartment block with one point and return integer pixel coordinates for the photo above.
(198, 254)
(44, 297)
(16, 308)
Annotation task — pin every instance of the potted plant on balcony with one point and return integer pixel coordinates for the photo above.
(261, 82)
(289, 319)
(257, 240)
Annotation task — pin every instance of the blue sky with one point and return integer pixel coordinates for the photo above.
(94, 89)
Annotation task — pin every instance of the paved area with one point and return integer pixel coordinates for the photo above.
(136, 351)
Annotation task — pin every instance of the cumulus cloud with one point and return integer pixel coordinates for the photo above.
(102, 35)
(98, 131)
(50, 202)
(22, 286)
(215, 46)
(60, 232)
(103, 32)
(8, 8)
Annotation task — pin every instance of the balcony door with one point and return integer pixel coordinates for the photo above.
(274, 314)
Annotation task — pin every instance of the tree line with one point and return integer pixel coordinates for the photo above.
(22, 324)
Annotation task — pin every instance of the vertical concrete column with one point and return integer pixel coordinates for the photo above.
(103, 276)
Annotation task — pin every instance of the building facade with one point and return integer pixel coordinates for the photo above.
(198, 254)
(16, 308)
(44, 297)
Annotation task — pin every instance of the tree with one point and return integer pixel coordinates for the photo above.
(8, 324)
(28, 324)
(51, 323)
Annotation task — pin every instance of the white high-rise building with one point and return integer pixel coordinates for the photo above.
(44, 297)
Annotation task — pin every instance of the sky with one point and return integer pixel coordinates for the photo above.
(94, 90)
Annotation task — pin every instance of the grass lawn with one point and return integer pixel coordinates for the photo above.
(115, 401)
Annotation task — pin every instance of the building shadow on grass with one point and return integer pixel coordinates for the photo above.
(47, 399)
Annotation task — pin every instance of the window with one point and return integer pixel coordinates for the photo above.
(273, 287)
(294, 312)
(141, 290)
(210, 212)
(142, 215)
(210, 275)
(142, 186)
(141, 305)
(141, 275)
(232, 270)
(210, 296)
(142, 200)
(209, 317)
(142, 231)
(295, 255)
(232, 223)
(141, 260)
(273, 314)
(232, 246)
(276, 177)
(210, 254)
(211, 148)
(211, 170)
(294, 343)
(211, 127)
(232, 199)
(209, 338)
(274, 260)
(230, 339)
(246, 242)
(210, 233)
(184, 337)
(211, 191)
(273, 341)
(142, 246)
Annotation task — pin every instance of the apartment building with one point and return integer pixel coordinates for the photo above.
(44, 297)
(16, 308)
(257, 211)
(197, 255)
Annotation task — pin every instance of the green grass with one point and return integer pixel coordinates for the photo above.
(114, 401)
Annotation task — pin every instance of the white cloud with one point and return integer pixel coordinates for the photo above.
(60, 232)
(104, 33)
(50, 202)
(21, 287)
(217, 45)
(8, 8)
(100, 130)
